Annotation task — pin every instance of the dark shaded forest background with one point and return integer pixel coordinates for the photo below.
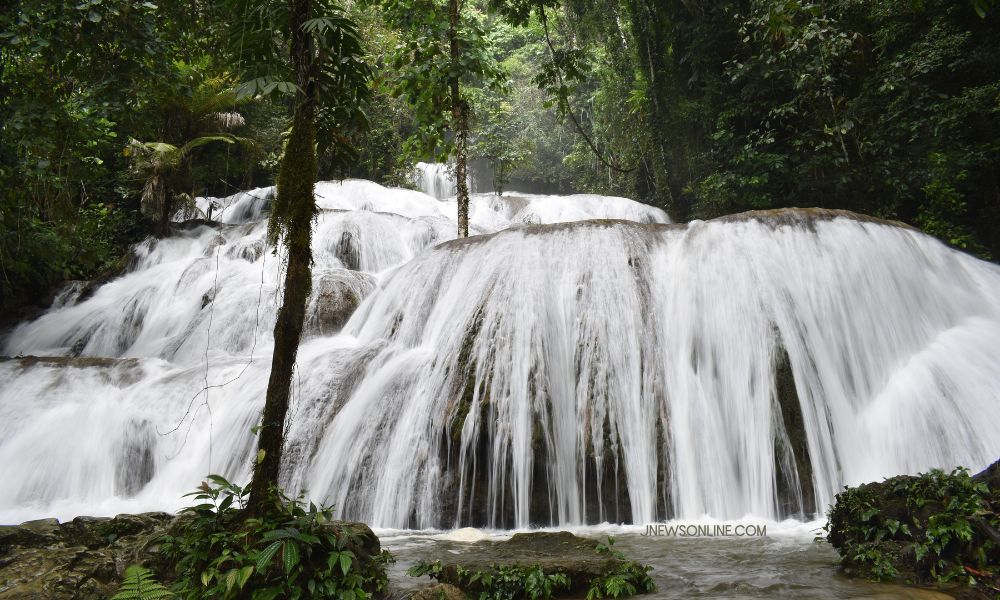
(703, 108)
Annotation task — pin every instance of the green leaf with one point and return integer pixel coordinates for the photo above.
(245, 573)
(231, 578)
(290, 555)
(265, 557)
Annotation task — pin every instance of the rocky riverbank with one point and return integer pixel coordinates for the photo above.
(86, 558)
(83, 559)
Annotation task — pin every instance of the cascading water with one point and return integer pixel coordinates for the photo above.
(438, 179)
(611, 369)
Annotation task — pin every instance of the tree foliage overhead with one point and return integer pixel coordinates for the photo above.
(702, 108)
(888, 108)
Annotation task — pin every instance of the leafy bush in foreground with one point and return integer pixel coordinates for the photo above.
(289, 551)
(932, 527)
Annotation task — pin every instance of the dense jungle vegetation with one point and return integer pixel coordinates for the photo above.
(116, 113)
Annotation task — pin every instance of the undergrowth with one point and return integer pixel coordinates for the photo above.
(932, 527)
(289, 551)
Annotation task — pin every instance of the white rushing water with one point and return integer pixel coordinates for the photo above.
(435, 180)
(541, 374)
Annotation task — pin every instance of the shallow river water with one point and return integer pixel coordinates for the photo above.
(786, 563)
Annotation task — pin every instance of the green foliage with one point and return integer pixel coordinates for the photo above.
(338, 75)
(498, 140)
(425, 71)
(202, 113)
(139, 584)
(628, 579)
(37, 254)
(886, 108)
(289, 551)
(930, 526)
(80, 79)
(501, 582)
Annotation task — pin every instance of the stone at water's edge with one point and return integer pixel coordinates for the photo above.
(439, 591)
(555, 552)
(86, 558)
(990, 475)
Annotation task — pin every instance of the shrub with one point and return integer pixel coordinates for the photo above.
(288, 551)
(931, 527)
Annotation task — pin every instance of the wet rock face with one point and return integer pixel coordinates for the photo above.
(335, 296)
(83, 559)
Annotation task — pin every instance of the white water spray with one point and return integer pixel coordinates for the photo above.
(545, 374)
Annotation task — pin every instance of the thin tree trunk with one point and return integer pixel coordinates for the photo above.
(294, 210)
(460, 125)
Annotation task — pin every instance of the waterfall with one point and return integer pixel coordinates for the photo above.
(438, 179)
(580, 360)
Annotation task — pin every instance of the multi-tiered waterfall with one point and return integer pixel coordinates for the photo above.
(579, 360)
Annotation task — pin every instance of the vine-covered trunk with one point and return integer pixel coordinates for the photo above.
(460, 124)
(291, 218)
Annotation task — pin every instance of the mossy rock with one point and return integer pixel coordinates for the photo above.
(439, 591)
(577, 561)
(934, 528)
(81, 560)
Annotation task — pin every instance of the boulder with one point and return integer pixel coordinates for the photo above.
(438, 591)
(335, 296)
(558, 552)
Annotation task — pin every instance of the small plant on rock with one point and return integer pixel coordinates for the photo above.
(627, 579)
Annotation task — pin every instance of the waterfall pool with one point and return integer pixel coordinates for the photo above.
(786, 563)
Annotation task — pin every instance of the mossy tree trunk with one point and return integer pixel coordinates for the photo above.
(460, 123)
(291, 222)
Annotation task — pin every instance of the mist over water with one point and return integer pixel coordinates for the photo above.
(553, 370)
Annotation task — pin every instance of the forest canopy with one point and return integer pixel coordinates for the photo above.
(115, 114)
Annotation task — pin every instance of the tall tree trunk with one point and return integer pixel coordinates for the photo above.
(291, 221)
(460, 124)
(649, 24)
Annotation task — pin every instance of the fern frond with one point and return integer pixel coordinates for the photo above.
(139, 584)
